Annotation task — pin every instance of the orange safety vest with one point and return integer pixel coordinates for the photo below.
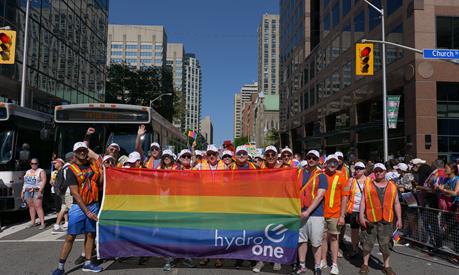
(174, 167)
(375, 211)
(233, 166)
(151, 164)
(220, 165)
(354, 188)
(345, 171)
(309, 190)
(88, 186)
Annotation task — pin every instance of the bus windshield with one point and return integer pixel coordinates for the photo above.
(67, 135)
(126, 141)
(6, 146)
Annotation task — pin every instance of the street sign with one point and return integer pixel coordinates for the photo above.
(440, 54)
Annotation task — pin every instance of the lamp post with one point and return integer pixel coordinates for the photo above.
(159, 97)
(24, 56)
(384, 81)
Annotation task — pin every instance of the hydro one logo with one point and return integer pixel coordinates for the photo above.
(274, 233)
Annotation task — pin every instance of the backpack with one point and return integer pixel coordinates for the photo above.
(60, 186)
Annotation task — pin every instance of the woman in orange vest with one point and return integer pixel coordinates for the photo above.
(356, 184)
(167, 161)
(380, 201)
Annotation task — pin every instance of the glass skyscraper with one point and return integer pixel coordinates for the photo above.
(66, 52)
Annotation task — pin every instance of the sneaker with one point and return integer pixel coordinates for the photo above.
(277, 267)
(58, 271)
(218, 263)
(203, 262)
(92, 268)
(317, 271)
(167, 267)
(65, 225)
(42, 226)
(56, 226)
(388, 271)
(340, 254)
(301, 270)
(58, 231)
(189, 263)
(79, 260)
(30, 225)
(323, 264)
(258, 267)
(334, 269)
(364, 270)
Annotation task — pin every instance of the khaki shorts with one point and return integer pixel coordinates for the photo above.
(381, 232)
(331, 226)
(67, 201)
(312, 230)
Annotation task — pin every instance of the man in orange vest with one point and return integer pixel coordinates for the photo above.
(342, 167)
(212, 161)
(356, 185)
(313, 190)
(154, 159)
(380, 201)
(242, 160)
(334, 211)
(84, 180)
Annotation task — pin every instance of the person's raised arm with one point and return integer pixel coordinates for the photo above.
(138, 141)
(87, 136)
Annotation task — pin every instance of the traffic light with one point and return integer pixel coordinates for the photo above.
(364, 59)
(7, 46)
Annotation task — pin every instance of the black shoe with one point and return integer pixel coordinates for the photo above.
(80, 260)
(317, 271)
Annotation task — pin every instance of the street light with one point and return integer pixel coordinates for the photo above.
(24, 55)
(384, 81)
(158, 97)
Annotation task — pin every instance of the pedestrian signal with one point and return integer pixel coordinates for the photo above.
(364, 59)
(7, 46)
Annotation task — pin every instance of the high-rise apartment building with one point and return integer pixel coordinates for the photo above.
(137, 45)
(66, 52)
(324, 105)
(192, 92)
(175, 60)
(240, 100)
(207, 129)
(268, 54)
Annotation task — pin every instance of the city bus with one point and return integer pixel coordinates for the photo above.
(24, 134)
(114, 123)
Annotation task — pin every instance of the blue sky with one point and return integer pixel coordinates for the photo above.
(223, 35)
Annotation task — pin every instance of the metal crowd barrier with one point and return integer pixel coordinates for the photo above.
(434, 228)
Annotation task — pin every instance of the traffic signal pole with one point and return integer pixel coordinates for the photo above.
(384, 80)
(24, 56)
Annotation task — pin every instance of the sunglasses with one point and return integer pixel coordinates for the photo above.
(332, 163)
(112, 149)
(378, 171)
(226, 157)
(167, 157)
(212, 154)
(270, 154)
(359, 168)
(186, 157)
(154, 149)
(312, 157)
(286, 156)
(34, 163)
(242, 154)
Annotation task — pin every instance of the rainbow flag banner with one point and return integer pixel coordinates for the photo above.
(249, 214)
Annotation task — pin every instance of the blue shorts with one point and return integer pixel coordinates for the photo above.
(79, 223)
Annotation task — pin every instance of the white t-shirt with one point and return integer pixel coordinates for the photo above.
(358, 197)
(32, 181)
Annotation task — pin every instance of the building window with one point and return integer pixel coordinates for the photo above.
(146, 54)
(374, 15)
(146, 61)
(146, 47)
(117, 53)
(393, 6)
(158, 54)
(448, 119)
(117, 46)
(131, 60)
(359, 26)
(447, 32)
(131, 53)
(117, 60)
(132, 47)
(335, 15)
(347, 7)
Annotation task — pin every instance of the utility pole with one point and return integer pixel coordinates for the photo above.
(24, 56)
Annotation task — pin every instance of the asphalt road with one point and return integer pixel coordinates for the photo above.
(33, 251)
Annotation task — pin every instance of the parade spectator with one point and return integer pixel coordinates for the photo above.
(406, 179)
(154, 159)
(376, 216)
(313, 189)
(84, 181)
(32, 192)
(334, 211)
(63, 199)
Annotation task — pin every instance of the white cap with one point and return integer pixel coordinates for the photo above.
(380, 166)
(286, 149)
(114, 145)
(401, 166)
(392, 175)
(123, 159)
(303, 163)
(359, 165)
(155, 144)
(241, 148)
(271, 148)
(417, 161)
(227, 152)
(330, 157)
(79, 145)
(106, 157)
(183, 152)
(212, 148)
(339, 154)
(314, 152)
(133, 157)
(168, 152)
(198, 153)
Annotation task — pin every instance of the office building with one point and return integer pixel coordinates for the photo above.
(66, 52)
(207, 129)
(324, 105)
(243, 97)
(192, 92)
(137, 45)
(175, 58)
(268, 54)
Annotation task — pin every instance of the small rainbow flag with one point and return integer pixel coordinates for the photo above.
(247, 214)
(396, 236)
(192, 134)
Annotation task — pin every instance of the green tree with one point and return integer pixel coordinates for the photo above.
(272, 138)
(240, 141)
(128, 85)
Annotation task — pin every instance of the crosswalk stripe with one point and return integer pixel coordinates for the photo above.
(44, 236)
